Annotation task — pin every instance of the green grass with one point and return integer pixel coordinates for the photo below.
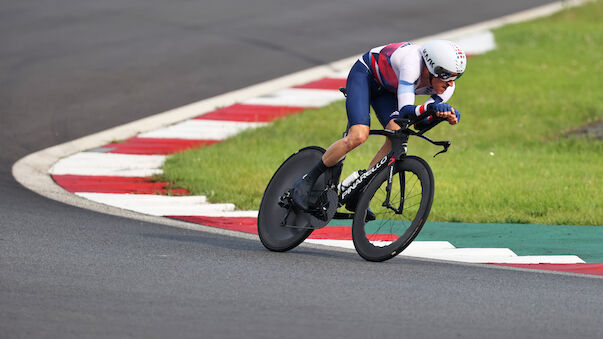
(509, 160)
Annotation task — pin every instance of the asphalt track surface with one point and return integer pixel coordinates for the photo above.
(85, 66)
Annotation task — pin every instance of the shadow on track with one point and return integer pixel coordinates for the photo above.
(254, 246)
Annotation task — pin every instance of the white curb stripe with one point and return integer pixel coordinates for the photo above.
(219, 214)
(341, 74)
(147, 199)
(201, 130)
(541, 259)
(471, 255)
(478, 43)
(492, 255)
(430, 249)
(109, 164)
(298, 97)
(162, 206)
(415, 245)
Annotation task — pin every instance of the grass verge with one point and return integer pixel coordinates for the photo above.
(508, 161)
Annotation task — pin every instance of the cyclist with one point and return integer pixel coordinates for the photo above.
(388, 78)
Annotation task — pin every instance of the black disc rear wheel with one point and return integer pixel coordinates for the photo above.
(281, 229)
(400, 219)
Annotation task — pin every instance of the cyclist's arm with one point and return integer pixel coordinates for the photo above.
(407, 65)
(434, 99)
(444, 97)
(406, 99)
(408, 70)
(408, 110)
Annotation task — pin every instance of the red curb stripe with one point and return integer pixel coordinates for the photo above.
(250, 225)
(250, 113)
(332, 233)
(325, 83)
(587, 268)
(146, 146)
(240, 224)
(110, 184)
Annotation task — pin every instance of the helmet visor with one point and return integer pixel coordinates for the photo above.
(445, 75)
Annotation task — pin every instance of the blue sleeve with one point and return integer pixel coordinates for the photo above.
(408, 111)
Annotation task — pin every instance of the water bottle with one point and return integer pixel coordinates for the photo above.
(349, 180)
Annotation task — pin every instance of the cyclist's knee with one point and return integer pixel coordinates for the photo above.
(357, 135)
(392, 125)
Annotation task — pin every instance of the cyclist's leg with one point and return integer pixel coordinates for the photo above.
(384, 104)
(356, 136)
(358, 108)
(359, 85)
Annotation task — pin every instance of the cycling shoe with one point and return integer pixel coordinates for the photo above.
(301, 192)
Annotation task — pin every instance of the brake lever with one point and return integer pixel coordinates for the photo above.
(444, 144)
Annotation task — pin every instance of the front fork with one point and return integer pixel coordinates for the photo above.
(388, 188)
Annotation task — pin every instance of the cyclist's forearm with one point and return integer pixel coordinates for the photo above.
(411, 111)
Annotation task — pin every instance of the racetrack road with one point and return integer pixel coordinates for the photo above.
(65, 272)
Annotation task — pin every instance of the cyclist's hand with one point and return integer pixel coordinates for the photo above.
(444, 110)
(457, 114)
(453, 117)
(441, 107)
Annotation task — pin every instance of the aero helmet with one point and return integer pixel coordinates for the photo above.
(443, 59)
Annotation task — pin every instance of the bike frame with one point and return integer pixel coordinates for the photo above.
(397, 152)
(272, 221)
(399, 140)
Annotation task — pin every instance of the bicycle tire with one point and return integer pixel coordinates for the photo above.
(391, 232)
(273, 235)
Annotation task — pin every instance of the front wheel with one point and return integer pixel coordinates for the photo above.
(401, 212)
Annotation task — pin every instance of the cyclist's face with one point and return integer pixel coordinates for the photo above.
(440, 85)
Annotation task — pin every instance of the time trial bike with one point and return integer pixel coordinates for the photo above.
(390, 201)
